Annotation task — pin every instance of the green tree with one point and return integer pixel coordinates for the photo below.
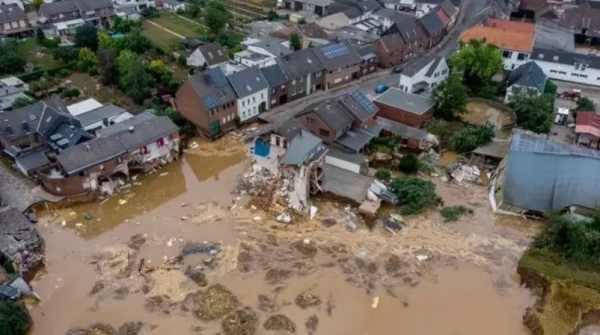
(40, 36)
(87, 57)
(14, 318)
(409, 163)
(12, 59)
(107, 66)
(150, 12)
(193, 10)
(157, 67)
(105, 41)
(295, 42)
(471, 138)
(533, 111)
(37, 3)
(585, 104)
(477, 63)
(66, 54)
(450, 98)
(23, 101)
(216, 16)
(86, 36)
(134, 41)
(234, 50)
(550, 88)
(414, 194)
(384, 175)
(134, 79)
(122, 26)
(443, 129)
(272, 15)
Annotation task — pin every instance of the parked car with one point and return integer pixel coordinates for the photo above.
(398, 69)
(10, 293)
(381, 88)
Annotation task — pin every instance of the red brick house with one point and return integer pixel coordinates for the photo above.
(433, 27)
(390, 50)
(208, 100)
(403, 107)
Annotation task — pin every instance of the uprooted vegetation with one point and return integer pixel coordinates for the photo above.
(241, 322)
(280, 323)
(128, 328)
(453, 213)
(561, 268)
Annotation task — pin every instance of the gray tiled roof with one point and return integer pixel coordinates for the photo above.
(449, 8)
(393, 15)
(122, 126)
(302, 148)
(99, 114)
(351, 58)
(368, 51)
(334, 115)
(401, 129)
(528, 75)
(146, 132)
(290, 128)
(418, 65)
(409, 30)
(355, 139)
(431, 22)
(564, 57)
(33, 159)
(392, 42)
(214, 53)
(212, 88)
(274, 75)
(273, 45)
(248, 81)
(90, 153)
(58, 7)
(11, 13)
(436, 62)
(409, 102)
(301, 63)
(552, 35)
(544, 175)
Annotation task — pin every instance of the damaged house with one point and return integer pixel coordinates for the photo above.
(540, 175)
(293, 158)
(346, 122)
(20, 244)
(140, 143)
(31, 135)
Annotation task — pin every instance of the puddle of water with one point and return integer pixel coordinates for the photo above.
(448, 157)
(522, 224)
(210, 158)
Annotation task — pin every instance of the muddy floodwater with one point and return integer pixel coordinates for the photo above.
(313, 277)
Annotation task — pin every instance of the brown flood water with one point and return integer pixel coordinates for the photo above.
(465, 288)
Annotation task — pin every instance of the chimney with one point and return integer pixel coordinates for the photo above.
(131, 129)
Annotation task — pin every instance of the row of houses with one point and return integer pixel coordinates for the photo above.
(73, 150)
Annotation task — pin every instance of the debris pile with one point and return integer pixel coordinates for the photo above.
(280, 323)
(241, 322)
(217, 301)
(464, 173)
(128, 328)
(305, 301)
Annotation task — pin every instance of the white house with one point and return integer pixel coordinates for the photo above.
(16, 82)
(399, 4)
(568, 66)
(424, 75)
(173, 5)
(514, 39)
(210, 55)
(139, 5)
(8, 96)
(250, 58)
(425, 6)
(527, 77)
(252, 92)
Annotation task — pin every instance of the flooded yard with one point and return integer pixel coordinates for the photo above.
(480, 113)
(159, 260)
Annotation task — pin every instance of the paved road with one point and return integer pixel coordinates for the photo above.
(472, 12)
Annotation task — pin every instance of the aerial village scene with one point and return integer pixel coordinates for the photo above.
(241, 167)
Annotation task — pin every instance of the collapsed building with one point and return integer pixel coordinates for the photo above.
(21, 247)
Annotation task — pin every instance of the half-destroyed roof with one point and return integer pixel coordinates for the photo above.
(413, 103)
(18, 235)
(338, 55)
(528, 75)
(214, 53)
(248, 82)
(11, 13)
(303, 148)
(543, 175)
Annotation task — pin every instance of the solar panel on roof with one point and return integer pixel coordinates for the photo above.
(217, 77)
(210, 100)
(334, 51)
(363, 101)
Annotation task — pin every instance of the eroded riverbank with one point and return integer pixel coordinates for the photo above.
(467, 284)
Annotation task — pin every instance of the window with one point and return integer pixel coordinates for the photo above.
(435, 75)
(283, 87)
(323, 132)
(262, 96)
(253, 99)
(444, 71)
(273, 91)
(522, 56)
(506, 54)
(294, 82)
(562, 72)
(553, 71)
(223, 120)
(318, 74)
(293, 92)
(301, 79)
(244, 113)
(243, 103)
(160, 142)
(583, 76)
(301, 91)
(254, 109)
(310, 120)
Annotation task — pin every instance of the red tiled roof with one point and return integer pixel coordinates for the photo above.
(587, 123)
(520, 27)
(503, 39)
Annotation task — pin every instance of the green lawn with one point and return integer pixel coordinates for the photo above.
(177, 24)
(159, 36)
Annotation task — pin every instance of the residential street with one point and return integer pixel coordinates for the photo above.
(472, 12)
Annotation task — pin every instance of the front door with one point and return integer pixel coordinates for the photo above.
(215, 128)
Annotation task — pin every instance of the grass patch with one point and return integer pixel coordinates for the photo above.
(553, 266)
(159, 36)
(43, 60)
(453, 213)
(177, 24)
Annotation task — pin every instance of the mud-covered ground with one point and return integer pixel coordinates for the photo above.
(208, 262)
